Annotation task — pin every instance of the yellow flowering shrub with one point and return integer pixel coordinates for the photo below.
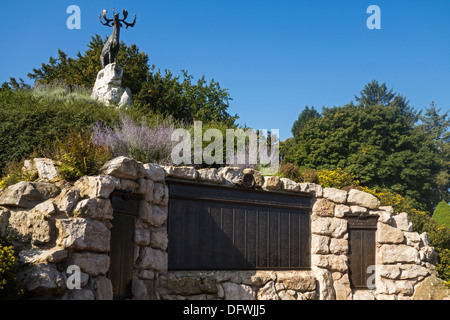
(337, 178)
(9, 287)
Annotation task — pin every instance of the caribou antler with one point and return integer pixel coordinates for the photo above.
(108, 21)
(125, 15)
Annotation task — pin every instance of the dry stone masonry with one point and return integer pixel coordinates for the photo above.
(57, 224)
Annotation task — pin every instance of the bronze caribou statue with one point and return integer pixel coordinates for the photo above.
(111, 47)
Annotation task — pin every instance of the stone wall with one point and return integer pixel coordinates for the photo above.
(57, 224)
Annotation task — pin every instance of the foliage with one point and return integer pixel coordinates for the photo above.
(13, 173)
(380, 141)
(338, 178)
(442, 213)
(9, 286)
(152, 90)
(143, 141)
(77, 155)
(306, 115)
(288, 170)
(443, 268)
(30, 119)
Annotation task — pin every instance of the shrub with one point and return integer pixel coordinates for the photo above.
(338, 178)
(77, 155)
(28, 121)
(141, 141)
(9, 286)
(291, 171)
(442, 213)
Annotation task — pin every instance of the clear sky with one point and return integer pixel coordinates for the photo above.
(275, 57)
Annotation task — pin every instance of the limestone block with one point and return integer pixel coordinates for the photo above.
(359, 210)
(233, 291)
(387, 286)
(158, 216)
(402, 253)
(154, 172)
(272, 183)
(23, 194)
(412, 239)
(103, 288)
(231, 175)
(4, 220)
(432, 288)
(341, 210)
(152, 259)
(325, 283)
(45, 209)
(363, 199)
(42, 279)
(289, 185)
(146, 187)
(83, 234)
(183, 172)
(160, 194)
(332, 227)
(335, 195)
(26, 226)
(298, 281)
(210, 175)
(259, 179)
(46, 168)
(38, 255)
(67, 200)
(268, 292)
(338, 246)
(142, 236)
(159, 238)
(313, 188)
(94, 208)
(341, 284)
(93, 264)
(323, 208)
(388, 234)
(123, 167)
(402, 222)
(331, 262)
(320, 244)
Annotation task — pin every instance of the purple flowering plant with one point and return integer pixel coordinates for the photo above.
(142, 141)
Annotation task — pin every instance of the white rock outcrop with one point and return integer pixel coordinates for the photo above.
(108, 87)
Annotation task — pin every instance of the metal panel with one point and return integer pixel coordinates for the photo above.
(126, 208)
(215, 228)
(361, 249)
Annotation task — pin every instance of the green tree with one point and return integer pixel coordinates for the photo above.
(306, 115)
(377, 140)
(152, 90)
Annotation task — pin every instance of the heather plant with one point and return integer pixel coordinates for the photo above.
(78, 155)
(148, 141)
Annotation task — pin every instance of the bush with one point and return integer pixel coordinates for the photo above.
(338, 178)
(144, 141)
(442, 213)
(12, 173)
(77, 155)
(290, 171)
(9, 286)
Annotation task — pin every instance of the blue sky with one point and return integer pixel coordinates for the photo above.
(275, 57)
